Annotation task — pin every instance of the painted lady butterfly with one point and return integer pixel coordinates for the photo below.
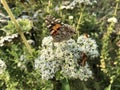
(58, 30)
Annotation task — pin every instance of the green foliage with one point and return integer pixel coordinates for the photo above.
(25, 24)
(86, 19)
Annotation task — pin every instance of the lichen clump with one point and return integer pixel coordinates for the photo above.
(63, 58)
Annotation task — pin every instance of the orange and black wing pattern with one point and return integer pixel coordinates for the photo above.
(58, 30)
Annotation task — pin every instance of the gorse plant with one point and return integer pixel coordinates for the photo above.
(110, 53)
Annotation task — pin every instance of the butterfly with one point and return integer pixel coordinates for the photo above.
(84, 59)
(58, 30)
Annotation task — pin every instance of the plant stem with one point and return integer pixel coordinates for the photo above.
(65, 84)
(116, 8)
(79, 20)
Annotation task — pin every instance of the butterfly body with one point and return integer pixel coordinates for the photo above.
(58, 30)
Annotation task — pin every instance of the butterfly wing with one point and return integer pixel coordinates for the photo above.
(58, 30)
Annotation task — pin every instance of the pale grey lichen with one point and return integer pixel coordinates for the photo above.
(63, 57)
(75, 3)
(8, 39)
(88, 46)
(2, 66)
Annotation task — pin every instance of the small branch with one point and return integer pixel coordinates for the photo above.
(79, 20)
